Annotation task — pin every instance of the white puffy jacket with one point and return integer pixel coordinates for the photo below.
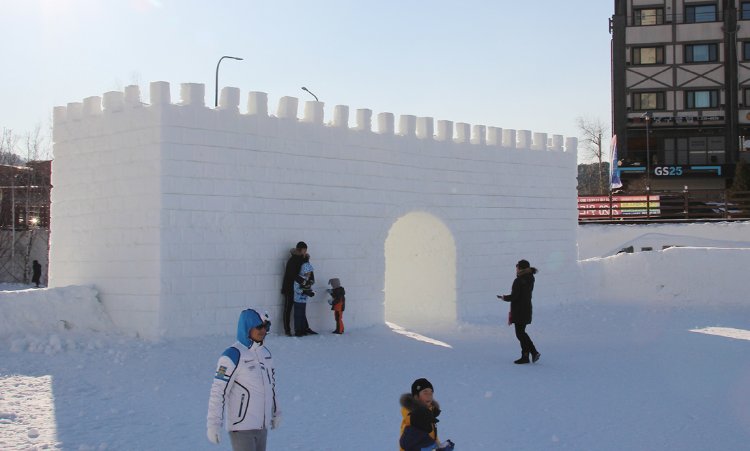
(243, 394)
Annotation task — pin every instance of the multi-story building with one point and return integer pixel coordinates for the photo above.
(686, 63)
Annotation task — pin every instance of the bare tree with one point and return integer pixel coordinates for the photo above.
(24, 201)
(593, 133)
(8, 148)
(135, 80)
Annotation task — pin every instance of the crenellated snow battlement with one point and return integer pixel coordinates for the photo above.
(192, 95)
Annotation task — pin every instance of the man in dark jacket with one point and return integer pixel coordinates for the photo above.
(293, 265)
(36, 269)
(521, 309)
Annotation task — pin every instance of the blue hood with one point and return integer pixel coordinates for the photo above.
(248, 319)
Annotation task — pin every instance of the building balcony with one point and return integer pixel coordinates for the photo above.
(645, 20)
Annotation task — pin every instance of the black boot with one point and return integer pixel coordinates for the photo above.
(299, 333)
(310, 332)
(535, 356)
(524, 358)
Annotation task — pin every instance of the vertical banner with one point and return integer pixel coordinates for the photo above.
(614, 169)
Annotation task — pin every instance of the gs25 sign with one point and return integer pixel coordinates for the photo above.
(668, 170)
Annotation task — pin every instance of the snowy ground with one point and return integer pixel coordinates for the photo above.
(610, 378)
(660, 360)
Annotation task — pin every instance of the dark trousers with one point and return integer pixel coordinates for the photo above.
(526, 344)
(288, 305)
(300, 317)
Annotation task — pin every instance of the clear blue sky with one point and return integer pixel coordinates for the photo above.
(532, 65)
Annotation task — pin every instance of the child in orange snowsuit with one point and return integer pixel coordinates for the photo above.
(338, 303)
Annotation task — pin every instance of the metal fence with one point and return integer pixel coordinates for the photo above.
(666, 206)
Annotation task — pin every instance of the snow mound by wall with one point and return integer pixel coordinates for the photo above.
(604, 240)
(686, 275)
(52, 310)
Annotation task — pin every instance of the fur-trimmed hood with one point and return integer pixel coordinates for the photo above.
(523, 272)
(408, 402)
(294, 251)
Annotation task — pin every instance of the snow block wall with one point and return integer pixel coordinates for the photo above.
(182, 215)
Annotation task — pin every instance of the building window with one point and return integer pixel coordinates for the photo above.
(701, 53)
(745, 11)
(648, 101)
(702, 99)
(648, 55)
(651, 16)
(746, 97)
(746, 50)
(703, 13)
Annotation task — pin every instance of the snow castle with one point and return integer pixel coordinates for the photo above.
(182, 215)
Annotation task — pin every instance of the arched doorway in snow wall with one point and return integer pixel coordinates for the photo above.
(420, 270)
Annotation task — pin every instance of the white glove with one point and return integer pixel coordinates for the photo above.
(214, 435)
(276, 421)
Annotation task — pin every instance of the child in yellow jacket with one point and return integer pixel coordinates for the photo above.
(419, 425)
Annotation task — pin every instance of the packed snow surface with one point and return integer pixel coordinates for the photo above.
(632, 366)
(610, 378)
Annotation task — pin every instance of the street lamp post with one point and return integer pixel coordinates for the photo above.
(316, 97)
(216, 98)
(648, 116)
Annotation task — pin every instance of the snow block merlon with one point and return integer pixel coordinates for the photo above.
(463, 133)
(229, 99)
(257, 103)
(132, 96)
(193, 94)
(509, 138)
(407, 125)
(571, 145)
(444, 131)
(341, 116)
(524, 139)
(479, 135)
(364, 119)
(287, 108)
(494, 136)
(159, 93)
(314, 112)
(425, 128)
(540, 142)
(386, 124)
(92, 106)
(113, 101)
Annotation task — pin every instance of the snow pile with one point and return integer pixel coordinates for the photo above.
(52, 311)
(709, 276)
(604, 240)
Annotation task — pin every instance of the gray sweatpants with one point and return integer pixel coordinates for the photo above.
(250, 440)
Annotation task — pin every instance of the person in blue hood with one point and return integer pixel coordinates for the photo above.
(243, 395)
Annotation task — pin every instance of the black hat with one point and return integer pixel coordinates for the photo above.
(419, 385)
(422, 419)
(523, 264)
(301, 245)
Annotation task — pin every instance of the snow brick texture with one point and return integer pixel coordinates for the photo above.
(182, 215)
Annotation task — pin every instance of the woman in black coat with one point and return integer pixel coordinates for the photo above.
(521, 309)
